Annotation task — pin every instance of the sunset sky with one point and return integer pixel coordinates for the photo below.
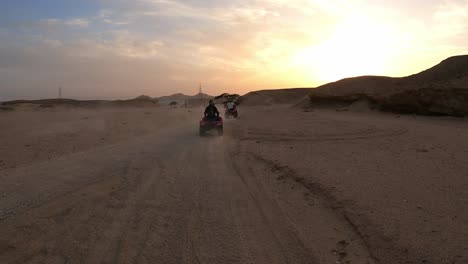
(125, 48)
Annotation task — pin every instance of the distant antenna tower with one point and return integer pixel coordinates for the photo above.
(60, 92)
(201, 93)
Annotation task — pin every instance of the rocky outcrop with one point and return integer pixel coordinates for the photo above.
(428, 101)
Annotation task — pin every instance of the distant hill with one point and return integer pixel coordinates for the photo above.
(181, 96)
(177, 96)
(144, 97)
(276, 96)
(440, 90)
(140, 101)
(181, 99)
(202, 95)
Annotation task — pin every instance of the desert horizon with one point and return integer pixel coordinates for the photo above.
(198, 90)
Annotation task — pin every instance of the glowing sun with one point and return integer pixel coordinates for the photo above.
(358, 46)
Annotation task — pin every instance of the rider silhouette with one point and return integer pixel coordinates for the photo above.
(211, 111)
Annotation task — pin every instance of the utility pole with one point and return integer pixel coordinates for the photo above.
(200, 91)
(60, 92)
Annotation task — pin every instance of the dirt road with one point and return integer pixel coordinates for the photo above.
(166, 197)
(140, 186)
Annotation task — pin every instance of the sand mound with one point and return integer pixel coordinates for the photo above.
(440, 90)
(279, 96)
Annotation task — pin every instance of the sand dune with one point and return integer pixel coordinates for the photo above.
(440, 90)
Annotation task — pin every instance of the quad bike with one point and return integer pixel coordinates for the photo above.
(211, 123)
(231, 112)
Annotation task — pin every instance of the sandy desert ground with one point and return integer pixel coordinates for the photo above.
(283, 185)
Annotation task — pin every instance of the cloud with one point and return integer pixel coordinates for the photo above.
(50, 21)
(53, 43)
(105, 13)
(232, 14)
(57, 24)
(117, 23)
(451, 19)
(119, 43)
(111, 17)
(77, 22)
(136, 49)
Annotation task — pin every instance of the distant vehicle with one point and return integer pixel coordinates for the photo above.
(231, 110)
(211, 123)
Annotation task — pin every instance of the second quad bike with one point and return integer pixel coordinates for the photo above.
(231, 112)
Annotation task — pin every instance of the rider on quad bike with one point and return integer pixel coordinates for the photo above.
(231, 109)
(211, 120)
(211, 111)
(230, 105)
